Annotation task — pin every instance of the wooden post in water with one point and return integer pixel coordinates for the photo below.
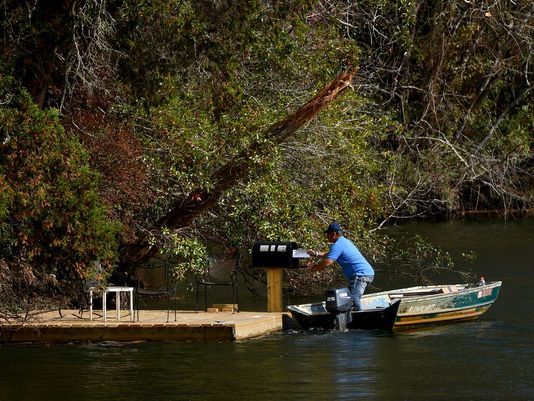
(274, 289)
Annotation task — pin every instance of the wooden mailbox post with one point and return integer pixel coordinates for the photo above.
(274, 289)
(275, 257)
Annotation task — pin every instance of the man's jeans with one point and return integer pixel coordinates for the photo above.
(357, 287)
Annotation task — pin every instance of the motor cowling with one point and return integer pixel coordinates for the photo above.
(338, 300)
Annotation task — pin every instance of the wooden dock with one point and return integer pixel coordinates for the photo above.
(152, 326)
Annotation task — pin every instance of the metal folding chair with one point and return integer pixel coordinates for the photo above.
(220, 270)
(155, 280)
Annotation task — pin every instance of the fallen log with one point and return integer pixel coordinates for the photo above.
(184, 211)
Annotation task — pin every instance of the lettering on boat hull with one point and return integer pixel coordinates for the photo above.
(418, 309)
(441, 317)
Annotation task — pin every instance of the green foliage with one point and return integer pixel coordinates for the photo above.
(457, 74)
(52, 221)
(193, 134)
(424, 263)
(186, 254)
(442, 105)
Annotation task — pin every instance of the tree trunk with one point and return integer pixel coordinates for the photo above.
(186, 210)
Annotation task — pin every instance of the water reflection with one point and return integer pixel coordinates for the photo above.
(354, 366)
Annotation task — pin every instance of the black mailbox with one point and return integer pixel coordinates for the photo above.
(286, 255)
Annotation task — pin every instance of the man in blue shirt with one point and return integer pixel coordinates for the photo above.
(356, 269)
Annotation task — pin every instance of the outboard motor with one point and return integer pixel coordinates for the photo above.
(339, 302)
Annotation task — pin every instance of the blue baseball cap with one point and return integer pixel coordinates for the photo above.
(334, 227)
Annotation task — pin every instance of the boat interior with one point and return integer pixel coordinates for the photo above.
(383, 299)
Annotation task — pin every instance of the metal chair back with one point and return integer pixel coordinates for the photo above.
(220, 270)
(155, 280)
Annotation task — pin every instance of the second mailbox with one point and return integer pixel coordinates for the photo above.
(285, 255)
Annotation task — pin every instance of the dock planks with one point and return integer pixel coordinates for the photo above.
(152, 326)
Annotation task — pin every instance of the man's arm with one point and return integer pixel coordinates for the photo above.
(317, 253)
(321, 265)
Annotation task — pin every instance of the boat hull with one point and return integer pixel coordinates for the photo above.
(419, 306)
(380, 319)
(369, 319)
(442, 317)
(460, 305)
